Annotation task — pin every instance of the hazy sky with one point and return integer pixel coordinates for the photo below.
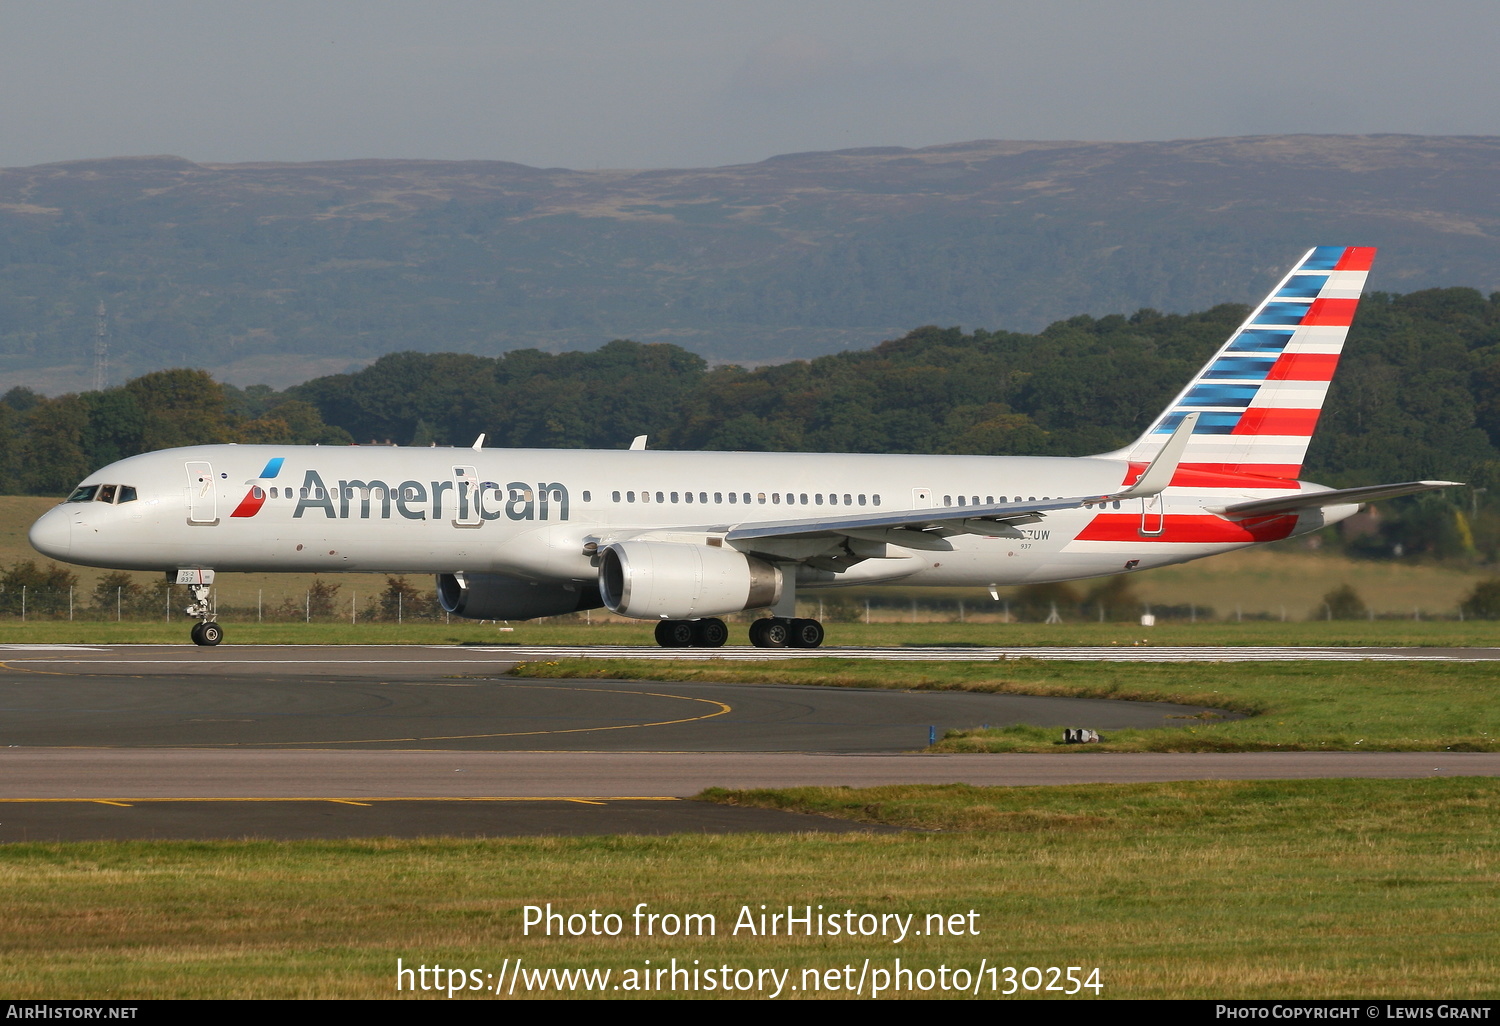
(682, 83)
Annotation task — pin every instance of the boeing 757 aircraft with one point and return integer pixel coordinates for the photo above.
(684, 537)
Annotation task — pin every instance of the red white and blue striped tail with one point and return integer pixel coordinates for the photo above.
(1260, 396)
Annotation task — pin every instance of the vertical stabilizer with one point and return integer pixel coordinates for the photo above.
(1260, 396)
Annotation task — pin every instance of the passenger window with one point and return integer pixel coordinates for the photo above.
(877, 500)
(674, 496)
(989, 500)
(702, 496)
(687, 496)
(630, 496)
(833, 500)
(775, 497)
(861, 500)
(587, 497)
(660, 498)
(761, 497)
(127, 493)
(645, 496)
(802, 499)
(818, 498)
(947, 500)
(848, 499)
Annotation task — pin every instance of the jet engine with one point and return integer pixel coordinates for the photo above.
(674, 580)
(498, 597)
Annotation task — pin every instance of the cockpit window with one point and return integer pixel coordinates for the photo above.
(103, 493)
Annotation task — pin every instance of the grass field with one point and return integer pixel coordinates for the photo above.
(1223, 890)
(1301, 706)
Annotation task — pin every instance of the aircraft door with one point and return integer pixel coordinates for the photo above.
(466, 498)
(202, 494)
(1153, 515)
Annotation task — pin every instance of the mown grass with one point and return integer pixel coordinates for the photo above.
(1215, 889)
(1299, 706)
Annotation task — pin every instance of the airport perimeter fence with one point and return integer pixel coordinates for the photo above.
(402, 602)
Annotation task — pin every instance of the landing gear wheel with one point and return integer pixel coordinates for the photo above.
(805, 634)
(710, 633)
(207, 634)
(769, 632)
(674, 633)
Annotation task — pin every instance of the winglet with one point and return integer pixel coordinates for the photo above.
(638, 443)
(1159, 474)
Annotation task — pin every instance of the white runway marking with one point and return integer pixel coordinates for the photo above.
(52, 648)
(1121, 654)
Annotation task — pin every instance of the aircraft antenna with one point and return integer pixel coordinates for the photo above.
(101, 348)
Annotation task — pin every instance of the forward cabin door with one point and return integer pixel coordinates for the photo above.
(202, 495)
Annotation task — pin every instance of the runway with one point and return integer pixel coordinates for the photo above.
(176, 741)
(228, 657)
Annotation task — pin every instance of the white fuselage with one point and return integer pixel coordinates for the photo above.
(540, 514)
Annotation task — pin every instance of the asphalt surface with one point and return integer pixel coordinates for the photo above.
(180, 742)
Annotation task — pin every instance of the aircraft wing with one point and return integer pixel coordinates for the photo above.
(925, 528)
(1329, 497)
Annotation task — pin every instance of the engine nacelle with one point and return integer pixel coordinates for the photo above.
(675, 580)
(498, 597)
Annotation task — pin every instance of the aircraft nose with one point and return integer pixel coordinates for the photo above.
(52, 534)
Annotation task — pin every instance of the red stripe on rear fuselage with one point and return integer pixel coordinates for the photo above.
(1187, 527)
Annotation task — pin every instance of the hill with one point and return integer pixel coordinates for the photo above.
(278, 272)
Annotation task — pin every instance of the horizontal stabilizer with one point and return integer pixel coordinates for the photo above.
(1331, 497)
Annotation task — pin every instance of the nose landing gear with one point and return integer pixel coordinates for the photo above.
(200, 583)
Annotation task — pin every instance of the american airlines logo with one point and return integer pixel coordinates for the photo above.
(463, 499)
(255, 498)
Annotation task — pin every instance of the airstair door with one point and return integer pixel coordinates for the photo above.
(202, 494)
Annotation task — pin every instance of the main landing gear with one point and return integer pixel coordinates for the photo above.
(786, 632)
(710, 632)
(768, 632)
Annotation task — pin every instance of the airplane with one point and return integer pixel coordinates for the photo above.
(683, 538)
